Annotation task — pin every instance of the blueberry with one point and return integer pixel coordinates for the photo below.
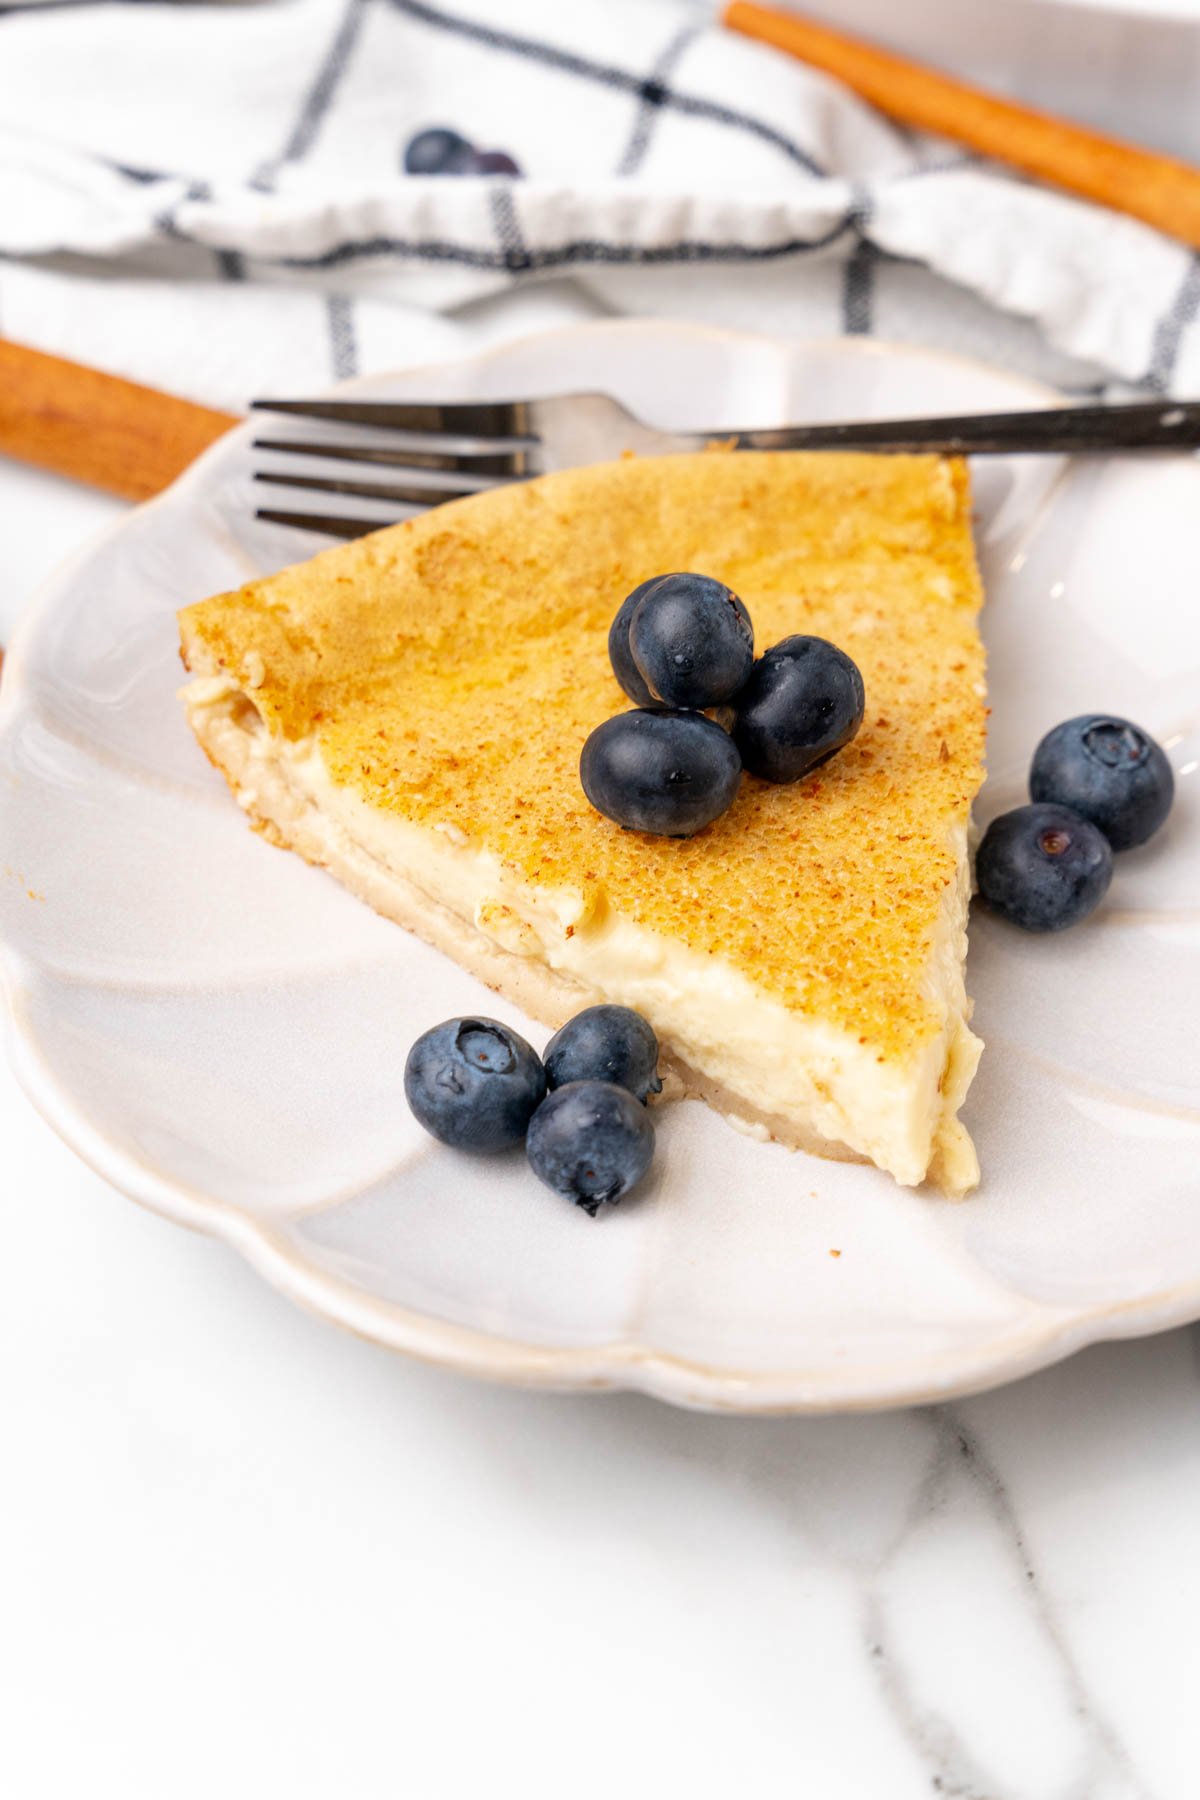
(493, 162)
(620, 655)
(605, 1043)
(438, 151)
(670, 773)
(1043, 867)
(590, 1141)
(691, 641)
(804, 700)
(474, 1083)
(1110, 771)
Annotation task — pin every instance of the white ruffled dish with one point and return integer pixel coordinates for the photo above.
(221, 1031)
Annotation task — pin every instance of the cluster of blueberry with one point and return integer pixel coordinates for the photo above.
(581, 1109)
(681, 645)
(1097, 784)
(440, 151)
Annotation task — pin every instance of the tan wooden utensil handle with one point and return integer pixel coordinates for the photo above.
(1157, 189)
(113, 434)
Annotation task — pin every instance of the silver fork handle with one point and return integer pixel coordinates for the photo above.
(1156, 425)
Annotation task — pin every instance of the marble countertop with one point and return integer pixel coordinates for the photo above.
(243, 1554)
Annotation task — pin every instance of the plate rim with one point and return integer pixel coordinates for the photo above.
(1055, 1333)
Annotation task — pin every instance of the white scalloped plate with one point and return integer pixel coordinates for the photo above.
(220, 1030)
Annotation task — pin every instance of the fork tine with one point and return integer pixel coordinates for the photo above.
(507, 419)
(514, 462)
(329, 524)
(417, 493)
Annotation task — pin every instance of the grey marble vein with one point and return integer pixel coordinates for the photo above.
(954, 1771)
(1104, 1766)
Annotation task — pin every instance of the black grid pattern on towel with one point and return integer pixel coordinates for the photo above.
(515, 247)
(343, 338)
(1168, 333)
(571, 253)
(318, 96)
(652, 96)
(503, 206)
(568, 62)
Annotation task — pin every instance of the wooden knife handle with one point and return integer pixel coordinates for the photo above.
(1157, 189)
(112, 434)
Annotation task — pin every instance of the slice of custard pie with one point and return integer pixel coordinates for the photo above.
(408, 711)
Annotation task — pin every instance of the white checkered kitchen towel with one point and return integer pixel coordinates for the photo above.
(211, 198)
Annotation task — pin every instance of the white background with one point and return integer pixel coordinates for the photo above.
(243, 1555)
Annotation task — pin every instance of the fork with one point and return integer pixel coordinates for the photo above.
(446, 450)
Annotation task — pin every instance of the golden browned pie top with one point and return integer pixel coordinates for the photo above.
(451, 668)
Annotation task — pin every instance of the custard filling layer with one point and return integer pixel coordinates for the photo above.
(899, 1113)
